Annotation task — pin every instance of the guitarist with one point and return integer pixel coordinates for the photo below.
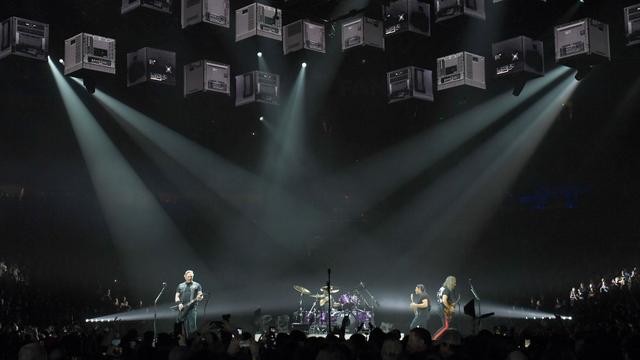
(188, 294)
(421, 307)
(445, 298)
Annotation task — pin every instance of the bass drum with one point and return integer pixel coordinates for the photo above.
(352, 322)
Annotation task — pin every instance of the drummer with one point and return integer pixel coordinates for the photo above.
(324, 301)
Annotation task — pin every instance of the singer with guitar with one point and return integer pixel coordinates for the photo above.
(447, 304)
(188, 295)
(421, 307)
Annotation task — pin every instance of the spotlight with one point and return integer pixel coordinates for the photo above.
(261, 118)
(519, 86)
(259, 54)
(304, 65)
(61, 61)
(89, 84)
(582, 73)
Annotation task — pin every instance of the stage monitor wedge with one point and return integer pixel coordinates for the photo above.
(215, 12)
(582, 42)
(258, 19)
(410, 83)
(89, 52)
(257, 86)
(632, 24)
(304, 34)
(152, 65)
(402, 16)
(459, 69)
(207, 76)
(24, 37)
(165, 6)
(518, 56)
(362, 31)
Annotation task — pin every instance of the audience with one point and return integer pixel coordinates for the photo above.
(604, 325)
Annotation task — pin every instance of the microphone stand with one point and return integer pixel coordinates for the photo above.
(155, 314)
(476, 324)
(475, 295)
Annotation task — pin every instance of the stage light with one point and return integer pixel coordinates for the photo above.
(304, 65)
(259, 54)
(89, 84)
(582, 73)
(261, 118)
(61, 61)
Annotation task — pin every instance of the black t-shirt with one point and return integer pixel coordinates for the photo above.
(445, 291)
(188, 292)
(418, 299)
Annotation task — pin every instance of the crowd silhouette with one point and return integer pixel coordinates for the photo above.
(604, 325)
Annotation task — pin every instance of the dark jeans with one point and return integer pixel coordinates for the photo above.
(420, 320)
(189, 324)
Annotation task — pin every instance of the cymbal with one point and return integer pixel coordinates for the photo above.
(301, 289)
(333, 289)
(318, 296)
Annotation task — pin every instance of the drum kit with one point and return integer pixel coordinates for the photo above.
(356, 306)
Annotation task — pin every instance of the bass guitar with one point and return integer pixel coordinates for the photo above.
(415, 310)
(450, 308)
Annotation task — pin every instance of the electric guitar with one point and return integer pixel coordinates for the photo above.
(182, 314)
